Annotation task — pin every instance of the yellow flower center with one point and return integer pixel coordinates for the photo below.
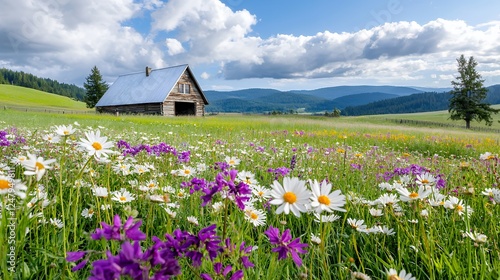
(39, 166)
(122, 198)
(5, 184)
(405, 155)
(394, 277)
(358, 155)
(340, 151)
(180, 194)
(323, 199)
(97, 146)
(290, 197)
(151, 185)
(187, 171)
(261, 193)
(91, 211)
(231, 162)
(425, 181)
(413, 195)
(253, 216)
(459, 208)
(66, 132)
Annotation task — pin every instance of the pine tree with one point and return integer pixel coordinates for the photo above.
(95, 87)
(468, 94)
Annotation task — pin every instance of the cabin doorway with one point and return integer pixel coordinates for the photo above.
(185, 109)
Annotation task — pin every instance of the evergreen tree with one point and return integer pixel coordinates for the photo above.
(466, 102)
(95, 87)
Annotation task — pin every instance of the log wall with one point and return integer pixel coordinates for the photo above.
(193, 96)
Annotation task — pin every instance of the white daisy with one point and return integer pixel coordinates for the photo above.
(247, 178)
(193, 220)
(477, 237)
(232, 161)
(486, 156)
(426, 179)
(100, 192)
(323, 200)
(260, 192)
(87, 213)
(315, 239)
(65, 130)
(392, 274)
(51, 138)
(325, 218)
(56, 222)
(376, 212)
(292, 196)
(95, 144)
(12, 186)
(255, 216)
(358, 225)
(36, 166)
(122, 196)
(406, 195)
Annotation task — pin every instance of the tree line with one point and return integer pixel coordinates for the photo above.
(20, 78)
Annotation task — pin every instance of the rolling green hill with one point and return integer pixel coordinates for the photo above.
(16, 96)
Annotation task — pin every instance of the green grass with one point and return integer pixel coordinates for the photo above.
(16, 96)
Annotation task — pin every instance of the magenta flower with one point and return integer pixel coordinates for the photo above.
(114, 232)
(286, 245)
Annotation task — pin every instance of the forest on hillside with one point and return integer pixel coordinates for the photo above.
(19, 78)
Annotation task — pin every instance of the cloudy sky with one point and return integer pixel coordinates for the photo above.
(235, 44)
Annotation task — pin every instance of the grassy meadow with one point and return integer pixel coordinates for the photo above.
(16, 96)
(259, 197)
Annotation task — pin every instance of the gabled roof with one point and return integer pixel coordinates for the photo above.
(137, 88)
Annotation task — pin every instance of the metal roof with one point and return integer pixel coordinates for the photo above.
(137, 88)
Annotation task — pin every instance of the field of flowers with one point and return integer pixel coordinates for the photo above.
(233, 197)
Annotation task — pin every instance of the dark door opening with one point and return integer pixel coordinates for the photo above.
(184, 108)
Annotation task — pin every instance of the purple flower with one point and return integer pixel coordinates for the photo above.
(286, 245)
(114, 232)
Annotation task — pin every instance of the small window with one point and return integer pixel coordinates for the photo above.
(184, 88)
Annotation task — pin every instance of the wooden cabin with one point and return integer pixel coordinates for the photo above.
(171, 91)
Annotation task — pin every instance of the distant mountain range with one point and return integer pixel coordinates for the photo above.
(313, 101)
(351, 100)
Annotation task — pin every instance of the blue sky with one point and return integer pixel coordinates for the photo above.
(235, 44)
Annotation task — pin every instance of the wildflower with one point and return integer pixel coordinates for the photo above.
(376, 212)
(100, 192)
(51, 138)
(247, 178)
(12, 186)
(392, 274)
(193, 220)
(360, 275)
(217, 206)
(36, 166)
(486, 156)
(457, 204)
(323, 200)
(424, 213)
(325, 218)
(185, 171)
(315, 239)
(63, 130)
(285, 244)
(95, 144)
(232, 161)
(426, 179)
(122, 196)
(358, 225)
(406, 195)
(262, 193)
(255, 216)
(87, 213)
(292, 196)
(477, 237)
(385, 230)
(116, 231)
(56, 222)
(388, 199)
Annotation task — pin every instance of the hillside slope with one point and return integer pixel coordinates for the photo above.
(26, 97)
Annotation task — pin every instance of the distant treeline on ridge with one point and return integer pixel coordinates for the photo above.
(31, 81)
